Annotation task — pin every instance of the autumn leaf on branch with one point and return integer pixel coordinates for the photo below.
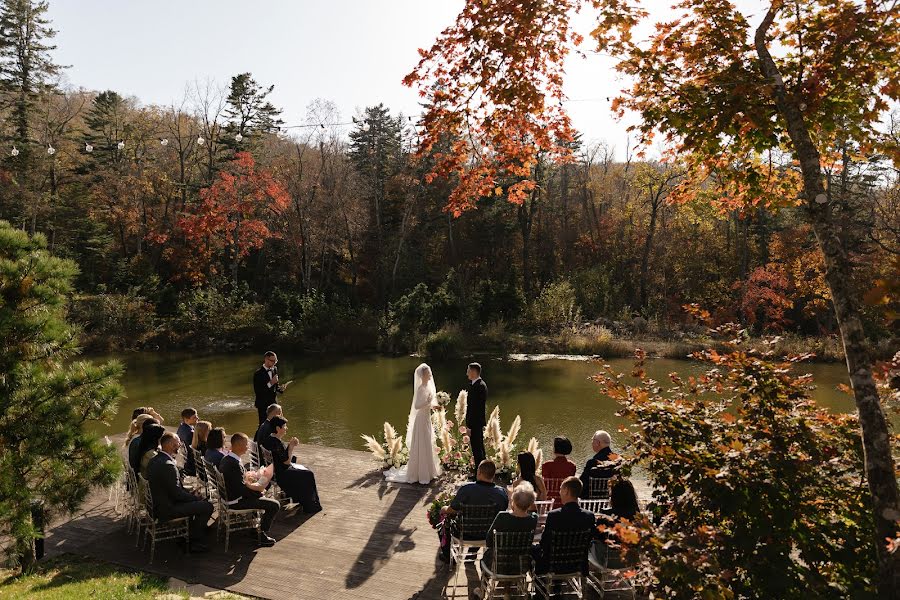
(492, 84)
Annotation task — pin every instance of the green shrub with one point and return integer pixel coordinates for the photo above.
(447, 342)
(496, 300)
(114, 321)
(207, 316)
(556, 308)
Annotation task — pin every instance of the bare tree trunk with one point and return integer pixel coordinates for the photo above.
(879, 462)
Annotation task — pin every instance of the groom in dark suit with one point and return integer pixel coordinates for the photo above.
(265, 384)
(475, 411)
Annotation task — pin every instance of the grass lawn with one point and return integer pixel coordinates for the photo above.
(71, 577)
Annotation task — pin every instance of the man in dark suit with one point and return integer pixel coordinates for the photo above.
(475, 411)
(170, 500)
(265, 384)
(243, 494)
(265, 428)
(185, 432)
(599, 465)
(570, 517)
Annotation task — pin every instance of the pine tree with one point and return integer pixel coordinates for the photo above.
(250, 115)
(48, 457)
(27, 72)
(107, 127)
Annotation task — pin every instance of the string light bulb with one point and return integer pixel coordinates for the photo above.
(120, 145)
(164, 142)
(238, 137)
(51, 150)
(200, 140)
(14, 151)
(88, 148)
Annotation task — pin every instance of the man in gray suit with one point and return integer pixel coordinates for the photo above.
(170, 500)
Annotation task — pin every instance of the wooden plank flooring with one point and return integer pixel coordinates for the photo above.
(371, 541)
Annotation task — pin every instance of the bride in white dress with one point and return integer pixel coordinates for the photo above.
(424, 464)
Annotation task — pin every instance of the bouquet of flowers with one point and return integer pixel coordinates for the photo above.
(435, 518)
(442, 399)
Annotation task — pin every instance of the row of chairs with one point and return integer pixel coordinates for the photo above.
(137, 507)
(598, 488)
(512, 564)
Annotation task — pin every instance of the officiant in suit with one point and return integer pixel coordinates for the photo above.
(265, 384)
(475, 411)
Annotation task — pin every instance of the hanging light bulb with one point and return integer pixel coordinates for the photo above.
(200, 140)
(164, 142)
(14, 151)
(88, 148)
(238, 137)
(120, 145)
(51, 150)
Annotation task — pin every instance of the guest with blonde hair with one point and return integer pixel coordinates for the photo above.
(519, 517)
(201, 432)
(137, 425)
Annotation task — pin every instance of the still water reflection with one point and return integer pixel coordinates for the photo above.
(333, 400)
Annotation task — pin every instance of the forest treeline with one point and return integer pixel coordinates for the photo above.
(212, 223)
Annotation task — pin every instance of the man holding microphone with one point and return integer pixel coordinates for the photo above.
(265, 384)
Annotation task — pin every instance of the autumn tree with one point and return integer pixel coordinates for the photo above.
(756, 111)
(233, 218)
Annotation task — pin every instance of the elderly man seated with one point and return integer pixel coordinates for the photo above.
(599, 466)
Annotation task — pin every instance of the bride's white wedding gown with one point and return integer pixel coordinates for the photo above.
(423, 465)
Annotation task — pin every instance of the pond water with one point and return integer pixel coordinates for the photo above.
(333, 400)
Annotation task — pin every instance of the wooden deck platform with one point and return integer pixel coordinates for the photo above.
(371, 541)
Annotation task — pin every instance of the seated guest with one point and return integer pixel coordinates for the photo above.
(135, 429)
(570, 517)
(519, 518)
(481, 491)
(623, 505)
(215, 446)
(560, 467)
(201, 433)
(244, 493)
(185, 432)
(134, 446)
(146, 410)
(527, 473)
(297, 481)
(170, 500)
(149, 447)
(265, 428)
(598, 465)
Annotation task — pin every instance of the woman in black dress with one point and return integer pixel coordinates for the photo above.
(297, 481)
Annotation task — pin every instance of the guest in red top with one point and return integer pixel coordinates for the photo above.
(559, 468)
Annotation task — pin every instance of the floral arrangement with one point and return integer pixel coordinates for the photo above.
(392, 451)
(435, 519)
(452, 441)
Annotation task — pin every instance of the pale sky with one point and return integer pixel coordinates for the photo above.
(352, 52)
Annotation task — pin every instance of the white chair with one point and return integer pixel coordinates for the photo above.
(510, 563)
(598, 487)
(567, 554)
(595, 506)
(469, 530)
(607, 571)
(158, 530)
(543, 509)
(553, 484)
(253, 450)
(231, 519)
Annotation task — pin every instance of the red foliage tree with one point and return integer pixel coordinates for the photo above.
(231, 219)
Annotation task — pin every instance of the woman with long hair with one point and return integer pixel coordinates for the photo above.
(201, 431)
(149, 447)
(528, 472)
